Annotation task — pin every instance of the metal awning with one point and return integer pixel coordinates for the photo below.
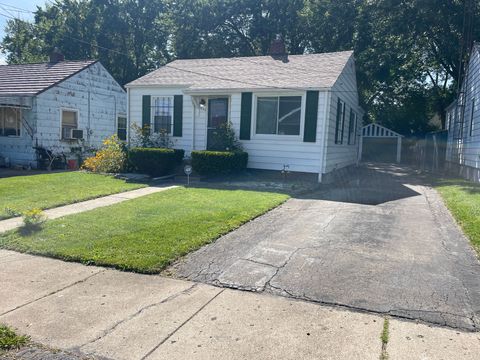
(24, 102)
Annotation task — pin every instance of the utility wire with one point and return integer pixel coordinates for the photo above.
(199, 73)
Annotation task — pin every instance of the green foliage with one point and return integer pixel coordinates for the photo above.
(148, 233)
(153, 161)
(45, 191)
(144, 137)
(111, 158)
(9, 340)
(219, 162)
(225, 139)
(403, 49)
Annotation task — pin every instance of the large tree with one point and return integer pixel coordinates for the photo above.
(407, 51)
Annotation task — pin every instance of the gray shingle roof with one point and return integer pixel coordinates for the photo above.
(32, 79)
(259, 72)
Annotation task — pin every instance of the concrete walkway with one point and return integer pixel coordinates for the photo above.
(13, 223)
(116, 315)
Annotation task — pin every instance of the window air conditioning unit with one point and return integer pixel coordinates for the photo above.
(76, 134)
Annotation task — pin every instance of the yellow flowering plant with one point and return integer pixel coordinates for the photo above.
(111, 158)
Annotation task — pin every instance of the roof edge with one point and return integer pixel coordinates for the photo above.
(67, 77)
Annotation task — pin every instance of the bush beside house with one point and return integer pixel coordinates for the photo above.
(153, 161)
(219, 162)
(111, 158)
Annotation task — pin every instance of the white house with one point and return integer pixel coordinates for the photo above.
(57, 106)
(463, 124)
(298, 110)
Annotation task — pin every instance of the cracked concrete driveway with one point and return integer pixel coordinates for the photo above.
(383, 243)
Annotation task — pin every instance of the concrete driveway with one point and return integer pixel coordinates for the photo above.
(383, 243)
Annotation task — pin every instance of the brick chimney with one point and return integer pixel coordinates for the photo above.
(278, 50)
(56, 56)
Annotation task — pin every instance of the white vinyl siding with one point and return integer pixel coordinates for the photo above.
(338, 156)
(463, 146)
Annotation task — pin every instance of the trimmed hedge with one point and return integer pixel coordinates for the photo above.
(219, 162)
(153, 161)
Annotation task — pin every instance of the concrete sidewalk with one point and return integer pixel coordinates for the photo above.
(118, 315)
(10, 224)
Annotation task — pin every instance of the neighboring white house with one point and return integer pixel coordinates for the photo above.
(463, 124)
(56, 106)
(300, 111)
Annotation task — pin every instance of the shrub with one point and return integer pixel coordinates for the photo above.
(111, 158)
(153, 161)
(219, 162)
(179, 155)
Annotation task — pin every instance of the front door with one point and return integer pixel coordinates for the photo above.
(217, 122)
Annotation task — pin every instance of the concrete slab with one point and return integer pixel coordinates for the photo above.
(25, 278)
(135, 337)
(410, 341)
(247, 275)
(10, 224)
(239, 325)
(82, 313)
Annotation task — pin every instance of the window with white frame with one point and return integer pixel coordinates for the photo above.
(352, 128)
(10, 121)
(278, 115)
(122, 127)
(69, 123)
(162, 114)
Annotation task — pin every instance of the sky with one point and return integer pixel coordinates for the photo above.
(16, 8)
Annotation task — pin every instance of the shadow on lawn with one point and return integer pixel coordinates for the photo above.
(367, 184)
(463, 185)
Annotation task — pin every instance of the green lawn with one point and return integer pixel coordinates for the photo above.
(22, 193)
(148, 233)
(463, 200)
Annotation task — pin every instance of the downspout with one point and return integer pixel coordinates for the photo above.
(88, 119)
(128, 116)
(326, 121)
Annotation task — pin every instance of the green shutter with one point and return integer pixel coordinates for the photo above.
(146, 108)
(311, 115)
(177, 115)
(337, 124)
(246, 116)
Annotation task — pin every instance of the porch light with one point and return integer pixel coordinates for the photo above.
(202, 104)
